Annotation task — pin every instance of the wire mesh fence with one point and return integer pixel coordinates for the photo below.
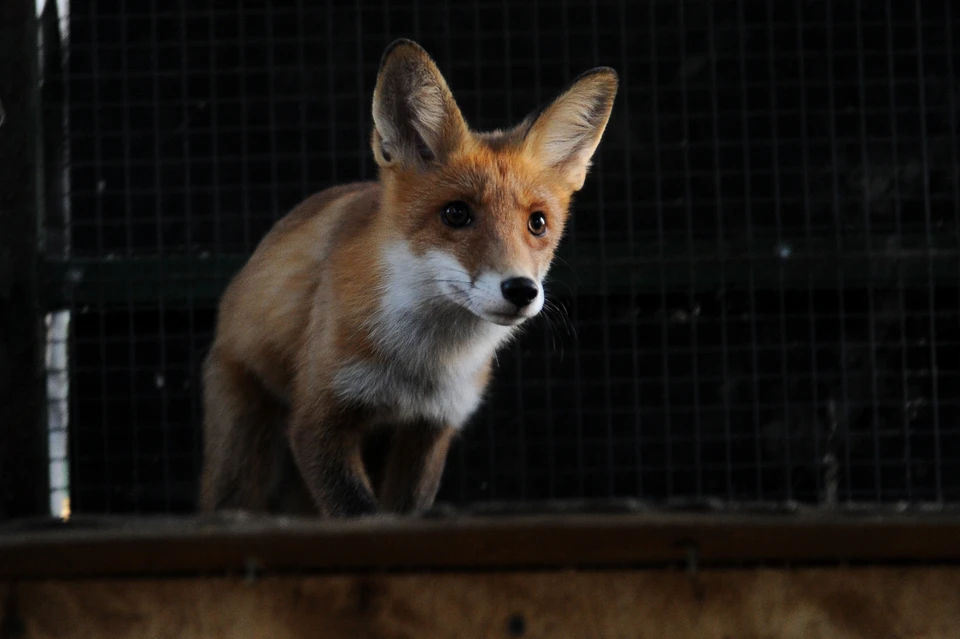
(759, 288)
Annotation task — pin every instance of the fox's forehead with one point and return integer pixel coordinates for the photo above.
(503, 178)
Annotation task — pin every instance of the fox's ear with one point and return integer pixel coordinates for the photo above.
(416, 119)
(566, 133)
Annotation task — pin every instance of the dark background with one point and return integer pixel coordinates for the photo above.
(759, 287)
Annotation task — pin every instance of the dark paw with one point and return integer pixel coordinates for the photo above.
(355, 506)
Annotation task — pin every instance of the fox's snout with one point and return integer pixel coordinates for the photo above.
(506, 299)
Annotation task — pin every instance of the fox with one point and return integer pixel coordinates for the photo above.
(368, 318)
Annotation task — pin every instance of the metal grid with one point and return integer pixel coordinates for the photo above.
(757, 300)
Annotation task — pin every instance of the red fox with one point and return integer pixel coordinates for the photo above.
(378, 307)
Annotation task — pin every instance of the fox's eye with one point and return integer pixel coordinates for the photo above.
(537, 223)
(456, 214)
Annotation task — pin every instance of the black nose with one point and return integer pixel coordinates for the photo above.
(519, 290)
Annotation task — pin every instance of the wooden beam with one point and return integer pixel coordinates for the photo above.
(23, 450)
(837, 603)
(183, 546)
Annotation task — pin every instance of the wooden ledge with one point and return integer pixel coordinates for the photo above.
(839, 603)
(168, 546)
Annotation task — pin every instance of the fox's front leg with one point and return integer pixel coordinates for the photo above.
(326, 442)
(414, 467)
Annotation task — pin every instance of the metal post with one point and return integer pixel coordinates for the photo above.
(23, 454)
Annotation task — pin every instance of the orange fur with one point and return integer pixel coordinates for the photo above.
(363, 309)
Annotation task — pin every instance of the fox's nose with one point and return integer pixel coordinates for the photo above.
(519, 291)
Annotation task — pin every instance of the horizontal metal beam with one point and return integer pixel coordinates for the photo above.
(581, 268)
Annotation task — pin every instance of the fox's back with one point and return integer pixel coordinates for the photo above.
(264, 313)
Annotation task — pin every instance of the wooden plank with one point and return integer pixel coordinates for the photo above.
(187, 546)
(23, 450)
(831, 603)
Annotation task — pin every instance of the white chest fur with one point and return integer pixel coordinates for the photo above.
(431, 350)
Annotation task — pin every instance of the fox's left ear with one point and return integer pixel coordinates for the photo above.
(416, 120)
(566, 134)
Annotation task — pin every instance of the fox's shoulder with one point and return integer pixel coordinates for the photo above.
(322, 202)
(311, 227)
(306, 235)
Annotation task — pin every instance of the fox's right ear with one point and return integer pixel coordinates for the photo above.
(416, 119)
